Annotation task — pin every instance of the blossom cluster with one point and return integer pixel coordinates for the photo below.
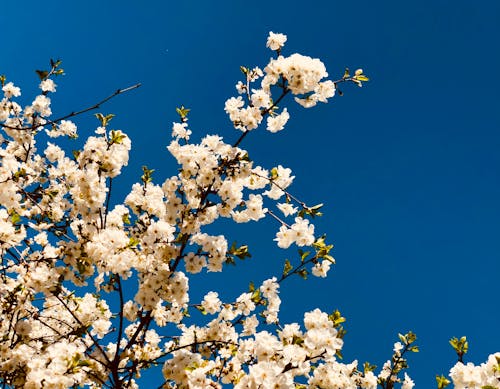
(468, 375)
(92, 292)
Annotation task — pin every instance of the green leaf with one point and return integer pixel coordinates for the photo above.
(147, 177)
(239, 252)
(201, 309)
(461, 346)
(256, 296)
(251, 286)
(297, 340)
(230, 261)
(55, 64)
(411, 337)
(303, 273)
(83, 363)
(126, 219)
(442, 381)
(116, 137)
(14, 217)
(20, 173)
(367, 367)
(362, 77)
(274, 173)
(42, 74)
(182, 112)
(2, 79)
(100, 117)
(288, 267)
(303, 255)
(346, 73)
(336, 317)
(133, 242)
(104, 119)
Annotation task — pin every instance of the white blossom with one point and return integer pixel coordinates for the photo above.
(276, 41)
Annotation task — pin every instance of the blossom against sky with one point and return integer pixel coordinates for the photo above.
(407, 166)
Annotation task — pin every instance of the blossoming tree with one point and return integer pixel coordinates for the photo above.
(70, 260)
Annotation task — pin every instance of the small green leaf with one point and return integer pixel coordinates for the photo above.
(42, 74)
(182, 112)
(337, 318)
(104, 119)
(100, 117)
(14, 217)
(304, 255)
(133, 242)
(239, 252)
(251, 286)
(125, 219)
(442, 381)
(411, 337)
(274, 173)
(367, 367)
(201, 309)
(461, 346)
(297, 340)
(147, 177)
(256, 296)
(116, 137)
(288, 267)
(20, 173)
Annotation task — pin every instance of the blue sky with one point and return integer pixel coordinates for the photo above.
(408, 166)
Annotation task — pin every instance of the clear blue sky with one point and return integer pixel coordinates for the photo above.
(408, 166)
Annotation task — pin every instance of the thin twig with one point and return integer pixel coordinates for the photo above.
(75, 113)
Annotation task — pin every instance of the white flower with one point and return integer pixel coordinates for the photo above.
(301, 233)
(407, 383)
(260, 98)
(10, 90)
(284, 180)
(321, 269)
(249, 325)
(275, 41)
(180, 130)
(287, 209)
(53, 152)
(241, 87)
(41, 104)
(397, 348)
(211, 302)
(277, 123)
(303, 73)
(48, 85)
